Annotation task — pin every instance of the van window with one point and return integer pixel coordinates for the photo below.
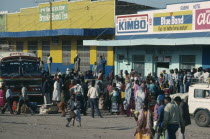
(200, 93)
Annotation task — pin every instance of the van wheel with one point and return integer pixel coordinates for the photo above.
(202, 118)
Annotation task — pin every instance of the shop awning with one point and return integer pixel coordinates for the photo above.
(59, 32)
(152, 41)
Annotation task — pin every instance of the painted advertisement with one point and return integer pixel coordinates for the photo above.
(172, 21)
(59, 12)
(176, 18)
(132, 24)
(202, 20)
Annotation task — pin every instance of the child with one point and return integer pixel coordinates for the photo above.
(74, 111)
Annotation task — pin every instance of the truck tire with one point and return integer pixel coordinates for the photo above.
(202, 118)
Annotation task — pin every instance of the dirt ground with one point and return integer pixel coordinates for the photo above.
(52, 126)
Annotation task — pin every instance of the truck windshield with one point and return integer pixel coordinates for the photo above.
(31, 68)
(10, 68)
(19, 68)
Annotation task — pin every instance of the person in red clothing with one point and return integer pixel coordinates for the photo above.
(2, 96)
(71, 85)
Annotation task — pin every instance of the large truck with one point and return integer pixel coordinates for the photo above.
(18, 69)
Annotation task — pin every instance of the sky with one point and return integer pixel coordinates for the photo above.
(15, 5)
(161, 3)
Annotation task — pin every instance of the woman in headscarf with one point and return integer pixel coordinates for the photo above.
(135, 87)
(144, 123)
(128, 92)
(140, 97)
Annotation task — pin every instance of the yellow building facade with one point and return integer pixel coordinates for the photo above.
(59, 28)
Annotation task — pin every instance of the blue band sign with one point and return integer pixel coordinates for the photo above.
(132, 24)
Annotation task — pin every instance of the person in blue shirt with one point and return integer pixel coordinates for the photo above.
(152, 88)
(180, 81)
(9, 101)
(102, 64)
(160, 116)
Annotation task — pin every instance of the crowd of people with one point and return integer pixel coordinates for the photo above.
(147, 99)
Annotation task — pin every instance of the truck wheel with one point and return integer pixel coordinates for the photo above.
(202, 118)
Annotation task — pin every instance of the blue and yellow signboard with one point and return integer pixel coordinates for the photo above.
(172, 21)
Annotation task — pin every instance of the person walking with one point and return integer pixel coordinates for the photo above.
(8, 101)
(172, 119)
(23, 99)
(93, 96)
(140, 97)
(144, 121)
(160, 117)
(128, 92)
(184, 109)
(79, 94)
(2, 98)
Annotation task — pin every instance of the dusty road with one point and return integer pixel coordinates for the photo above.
(25, 126)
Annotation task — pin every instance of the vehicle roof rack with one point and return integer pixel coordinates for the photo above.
(7, 48)
(200, 81)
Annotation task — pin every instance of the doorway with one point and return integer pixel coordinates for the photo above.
(120, 63)
(160, 66)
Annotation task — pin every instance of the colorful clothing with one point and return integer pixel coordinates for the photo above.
(140, 97)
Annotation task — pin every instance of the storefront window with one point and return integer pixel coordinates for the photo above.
(138, 63)
(19, 46)
(32, 46)
(187, 62)
(101, 51)
(66, 50)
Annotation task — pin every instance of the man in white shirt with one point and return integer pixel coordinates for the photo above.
(93, 96)
(205, 76)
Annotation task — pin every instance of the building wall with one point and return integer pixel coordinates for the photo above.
(56, 53)
(150, 51)
(81, 14)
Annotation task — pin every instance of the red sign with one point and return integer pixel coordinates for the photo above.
(202, 20)
(16, 54)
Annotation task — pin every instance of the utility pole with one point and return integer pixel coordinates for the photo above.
(50, 14)
(50, 3)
